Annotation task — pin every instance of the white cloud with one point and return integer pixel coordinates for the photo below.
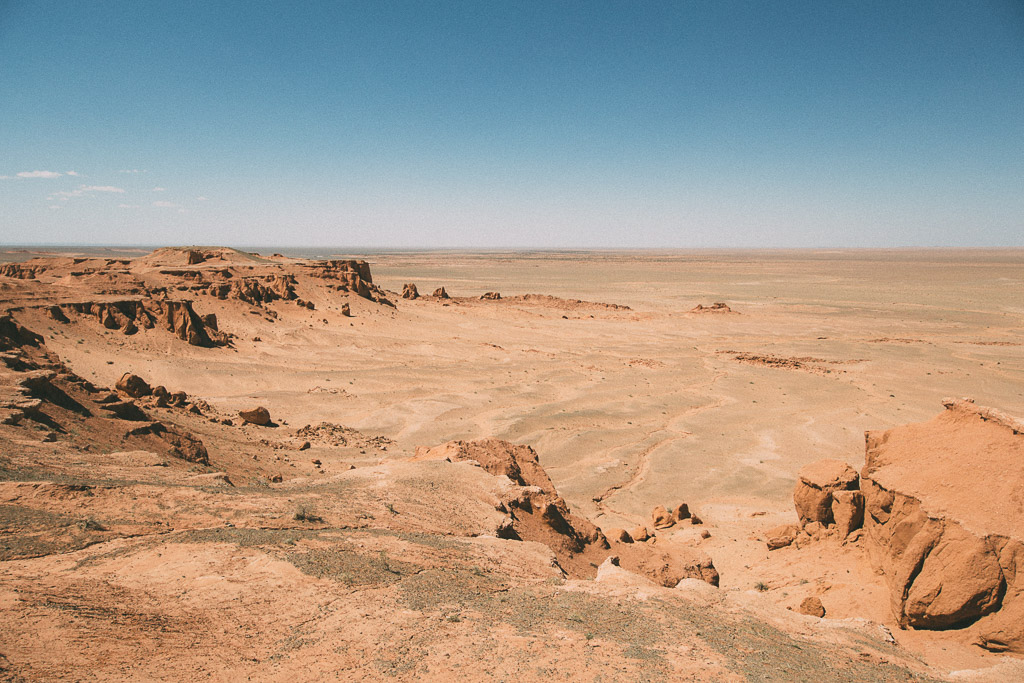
(101, 188)
(39, 174)
(84, 190)
(202, 199)
(158, 189)
(132, 170)
(72, 173)
(165, 205)
(6, 177)
(127, 206)
(64, 194)
(54, 206)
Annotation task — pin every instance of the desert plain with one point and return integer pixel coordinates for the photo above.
(331, 542)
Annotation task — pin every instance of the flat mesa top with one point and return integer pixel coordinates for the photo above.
(966, 463)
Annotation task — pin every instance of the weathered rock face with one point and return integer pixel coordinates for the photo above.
(815, 486)
(177, 317)
(440, 293)
(256, 291)
(14, 336)
(490, 296)
(409, 291)
(847, 511)
(21, 271)
(945, 524)
(352, 276)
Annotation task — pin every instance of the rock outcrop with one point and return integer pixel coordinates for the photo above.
(177, 317)
(21, 271)
(537, 513)
(717, 307)
(351, 276)
(256, 291)
(440, 293)
(36, 388)
(945, 522)
(409, 291)
(815, 486)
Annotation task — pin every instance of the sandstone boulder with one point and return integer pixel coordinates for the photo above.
(680, 512)
(257, 416)
(618, 535)
(661, 518)
(815, 485)
(640, 534)
(133, 385)
(409, 291)
(812, 606)
(781, 536)
(440, 293)
(490, 296)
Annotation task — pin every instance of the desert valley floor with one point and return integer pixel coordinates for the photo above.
(635, 390)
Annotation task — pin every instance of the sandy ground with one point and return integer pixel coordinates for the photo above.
(629, 409)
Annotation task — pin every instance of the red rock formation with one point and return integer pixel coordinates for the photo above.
(21, 271)
(816, 483)
(945, 523)
(717, 307)
(256, 291)
(538, 513)
(177, 317)
(36, 387)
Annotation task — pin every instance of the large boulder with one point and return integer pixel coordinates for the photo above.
(133, 385)
(781, 536)
(257, 416)
(661, 518)
(816, 483)
(944, 522)
(409, 291)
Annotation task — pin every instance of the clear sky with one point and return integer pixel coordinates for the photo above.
(513, 124)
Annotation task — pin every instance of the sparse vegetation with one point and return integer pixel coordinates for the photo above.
(306, 512)
(761, 586)
(91, 524)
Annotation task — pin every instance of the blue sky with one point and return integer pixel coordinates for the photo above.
(513, 124)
